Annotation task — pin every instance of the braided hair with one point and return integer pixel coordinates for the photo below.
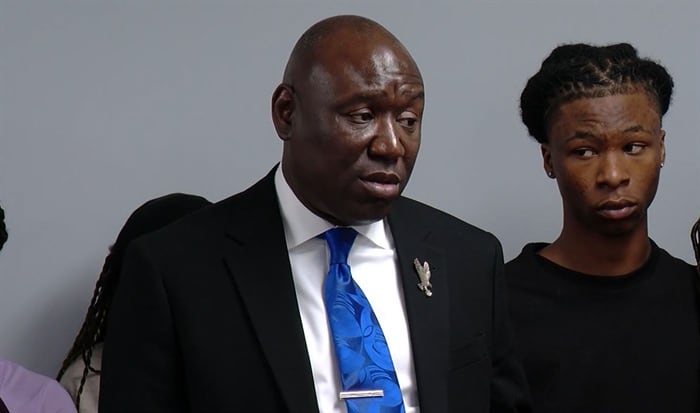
(149, 217)
(575, 71)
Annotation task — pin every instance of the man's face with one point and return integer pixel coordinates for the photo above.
(606, 154)
(355, 130)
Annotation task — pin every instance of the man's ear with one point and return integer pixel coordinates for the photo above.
(547, 161)
(662, 140)
(282, 110)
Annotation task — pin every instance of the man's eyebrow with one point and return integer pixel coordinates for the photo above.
(636, 128)
(580, 134)
(413, 93)
(588, 135)
(359, 97)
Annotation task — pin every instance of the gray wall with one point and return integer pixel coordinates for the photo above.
(104, 104)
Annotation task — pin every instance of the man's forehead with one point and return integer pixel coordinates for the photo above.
(381, 56)
(374, 70)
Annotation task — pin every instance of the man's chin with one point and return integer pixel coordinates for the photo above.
(621, 228)
(367, 214)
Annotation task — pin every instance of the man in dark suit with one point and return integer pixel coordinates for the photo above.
(224, 310)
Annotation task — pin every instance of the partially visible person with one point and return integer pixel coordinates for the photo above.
(605, 319)
(23, 391)
(695, 238)
(80, 372)
(3, 229)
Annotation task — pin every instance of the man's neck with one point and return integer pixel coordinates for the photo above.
(600, 254)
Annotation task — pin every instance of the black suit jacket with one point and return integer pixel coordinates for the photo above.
(205, 318)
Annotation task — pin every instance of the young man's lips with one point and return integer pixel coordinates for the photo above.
(617, 209)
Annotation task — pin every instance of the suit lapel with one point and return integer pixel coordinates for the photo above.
(428, 317)
(258, 263)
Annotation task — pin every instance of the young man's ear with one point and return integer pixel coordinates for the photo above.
(282, 110)
(662, 141)
(547, 161)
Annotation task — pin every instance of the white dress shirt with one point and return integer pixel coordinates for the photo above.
(372, 259)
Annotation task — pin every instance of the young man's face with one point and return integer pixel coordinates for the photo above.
(606, 154)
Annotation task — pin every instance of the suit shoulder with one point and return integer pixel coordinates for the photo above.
(185, 229)
(408, 210)
(211, 221)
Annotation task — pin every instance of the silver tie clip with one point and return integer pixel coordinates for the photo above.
(360, 393)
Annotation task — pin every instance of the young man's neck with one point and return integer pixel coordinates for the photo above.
(598, 254)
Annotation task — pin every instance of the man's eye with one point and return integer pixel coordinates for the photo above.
(634, 148)
(408, 121)
(584, 152)
(361, 117)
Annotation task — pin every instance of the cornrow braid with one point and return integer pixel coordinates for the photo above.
(575, 71)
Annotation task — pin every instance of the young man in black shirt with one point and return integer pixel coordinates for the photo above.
(605, 320)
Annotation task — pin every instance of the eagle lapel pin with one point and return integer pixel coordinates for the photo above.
(424, 276)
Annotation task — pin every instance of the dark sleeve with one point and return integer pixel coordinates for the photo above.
(509, 390)
(141, 366)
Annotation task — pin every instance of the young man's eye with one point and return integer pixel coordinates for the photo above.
(584, 152)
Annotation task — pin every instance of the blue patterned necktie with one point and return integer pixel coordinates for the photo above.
(364, 361)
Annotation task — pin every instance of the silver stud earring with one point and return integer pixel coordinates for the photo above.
(662, 165)
(550, 174)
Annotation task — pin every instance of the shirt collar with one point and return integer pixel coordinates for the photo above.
(301, 225)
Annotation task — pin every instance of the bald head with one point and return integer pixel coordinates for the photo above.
(329, 38)
(349, 111)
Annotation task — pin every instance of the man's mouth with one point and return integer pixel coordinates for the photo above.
(617, 209)
(382, 184)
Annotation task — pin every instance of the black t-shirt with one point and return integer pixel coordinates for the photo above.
(607, 344)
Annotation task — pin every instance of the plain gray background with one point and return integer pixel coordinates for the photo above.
(105, 104)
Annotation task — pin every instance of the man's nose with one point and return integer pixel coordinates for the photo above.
(387, 141)
(613, 170)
